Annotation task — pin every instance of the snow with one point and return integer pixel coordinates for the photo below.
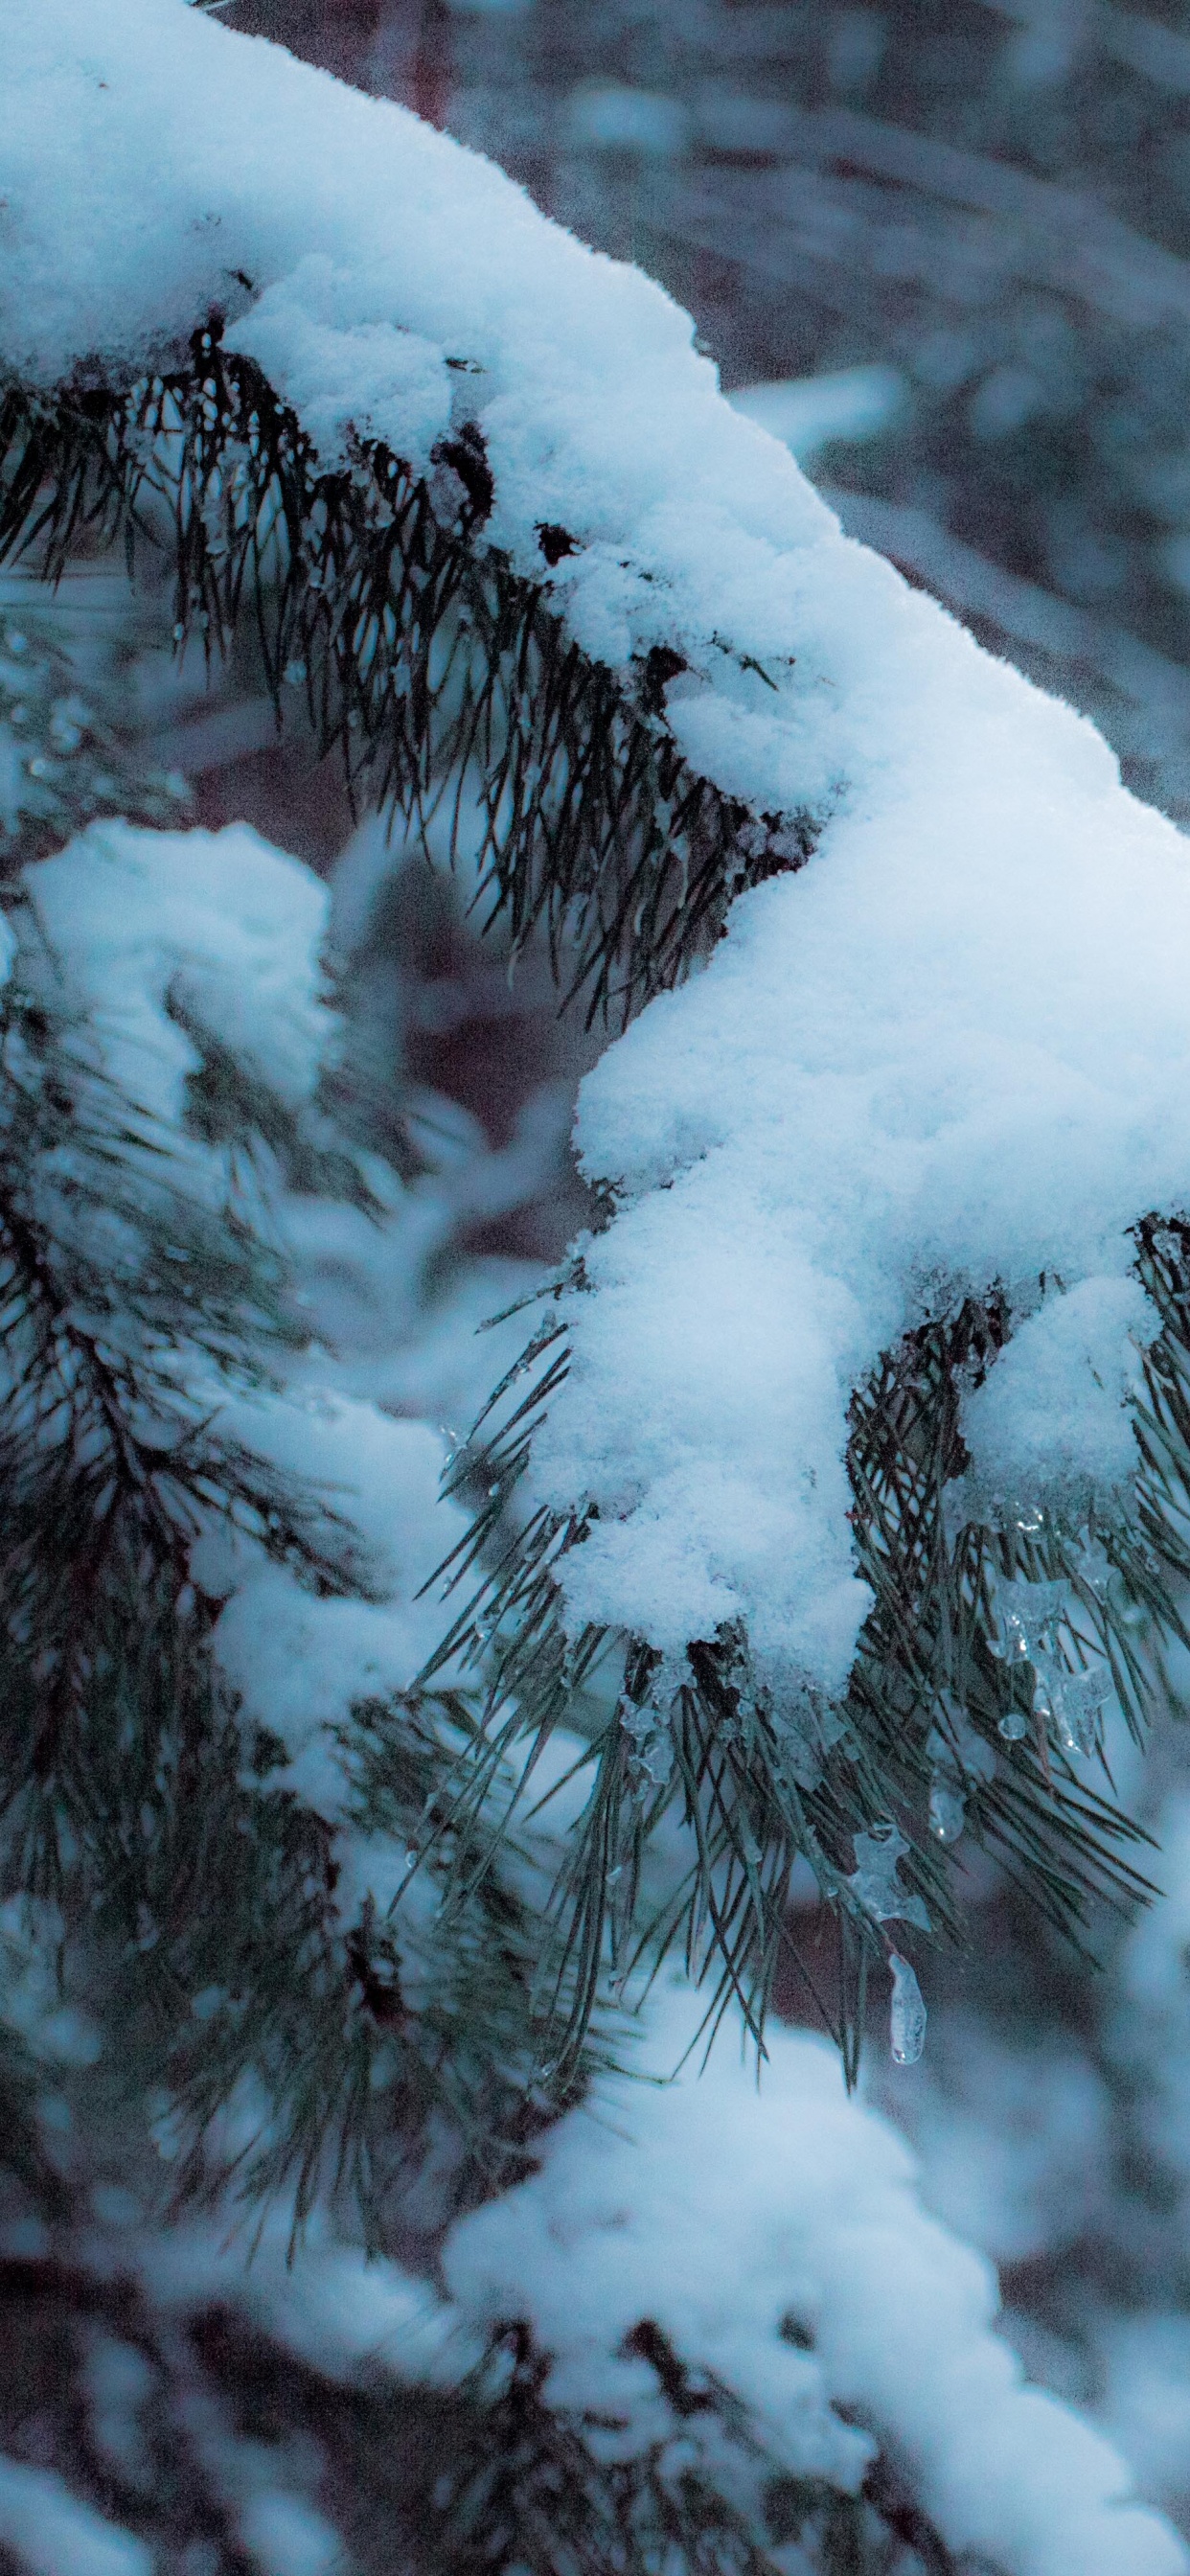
(55, 2534)
(297, 1662)
(951, 1050)
(1149, 2030)
(1016, 2140)
(618, 119)
(774, 2235)
(719, 2209)
(1148, 2396)
(325, 2302)
(231, 931)
(1053, 1412)
(217, 924)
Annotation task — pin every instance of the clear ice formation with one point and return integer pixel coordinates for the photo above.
(874, 1880)
(907, 2013)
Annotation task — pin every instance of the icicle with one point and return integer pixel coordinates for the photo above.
(907, 2013)
(1025, 1611)
(1095, 1567)
(806, 1726)
(1086, 1696)
(1072, 1702)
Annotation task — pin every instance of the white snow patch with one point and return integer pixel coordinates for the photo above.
(298, 1662)
(55, 2534)
(1053, 1412)
(220, 923)
(325, 2301)
(775, 2236)
(723, 2211)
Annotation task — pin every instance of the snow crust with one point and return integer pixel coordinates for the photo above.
(952, 1050)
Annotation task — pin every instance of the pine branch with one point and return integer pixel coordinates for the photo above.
(129, 1306)
(429, 664)
(376, 2038)
(527, 2487)
(437, 671)
(123, 1304)
(761, 1783)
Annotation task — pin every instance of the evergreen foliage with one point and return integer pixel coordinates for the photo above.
(438, 674)
(196, 1893)
(763, 1785)
(133, 1805)
(527, 2490)
(423, 658)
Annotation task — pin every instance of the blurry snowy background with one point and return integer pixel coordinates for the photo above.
(942, 248)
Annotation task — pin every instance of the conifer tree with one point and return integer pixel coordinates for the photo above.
(362, 1827)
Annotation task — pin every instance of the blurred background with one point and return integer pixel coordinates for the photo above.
(943, 249)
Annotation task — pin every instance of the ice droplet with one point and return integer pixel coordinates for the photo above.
(907, 2013)
(1013, 1725)
(948, 1812)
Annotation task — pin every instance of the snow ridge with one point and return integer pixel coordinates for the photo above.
(953, 1049)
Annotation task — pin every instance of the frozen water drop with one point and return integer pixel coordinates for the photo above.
(1013, 1725)
(948, 1812)
(1063, 1729)
(907, 2013)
